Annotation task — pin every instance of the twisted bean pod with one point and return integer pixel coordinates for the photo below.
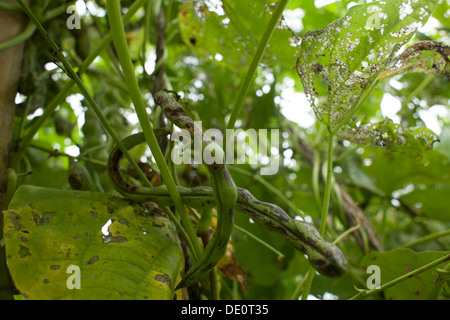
(325, 257)
(224, 191)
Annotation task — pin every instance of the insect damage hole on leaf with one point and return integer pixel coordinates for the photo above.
(105, 227)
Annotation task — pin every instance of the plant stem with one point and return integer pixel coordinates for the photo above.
(443, 275)
(9, 7)
(426, 238)
(24, 116)
(265, 244)
(346, 233)
(419, 88)
(325, 206)
(328, 186)
(309, 279)
(21, 37)
(31, 28)
(214, 285)
(276, 15)
(120, 43)
(53, 13)
(297, 291)
(56, 153)
(316, 178)
(366, 293)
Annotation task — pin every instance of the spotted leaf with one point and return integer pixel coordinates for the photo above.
(64, 244)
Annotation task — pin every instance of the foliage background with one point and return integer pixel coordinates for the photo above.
(209, 46)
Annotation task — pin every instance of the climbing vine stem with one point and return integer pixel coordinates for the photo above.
(276, 15)
(120, 43)
(366, 293)
(325, 206)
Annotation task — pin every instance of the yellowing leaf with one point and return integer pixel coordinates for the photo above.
(230, 268)
(50, 234)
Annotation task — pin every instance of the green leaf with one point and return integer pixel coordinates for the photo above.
(393, 171)
(422, 188)
(48, 230)
(398, 262)
(228, 34)
(428, 200)
(357, 175)
(358, 47)
(413, 142)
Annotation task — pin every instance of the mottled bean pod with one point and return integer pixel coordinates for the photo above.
(224, 190)
(325, 257)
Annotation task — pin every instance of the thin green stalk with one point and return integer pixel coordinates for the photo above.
(24, 116)
(31, 28)
(55, 153)
(325, 206)
(53, 13)
(316, 164)
(297, 291)
(346, 233)
(366, 293)
(419, 88)
(9, 7)
(120, 43)
(337, 198)
(147, 20)
(309, 279)
(426, 239)
(276, 15)
(89, 150)
(316, 177)
(265, 244)
(21, 37)
(442, 277)
(328, 185)
(92, 104)
(214, 285)
(34, 128)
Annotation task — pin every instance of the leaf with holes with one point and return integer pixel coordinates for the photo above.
(426, 57)
(391, 136)
(47, 230)
(338, 64)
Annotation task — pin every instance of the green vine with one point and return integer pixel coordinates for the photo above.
(117, 31)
